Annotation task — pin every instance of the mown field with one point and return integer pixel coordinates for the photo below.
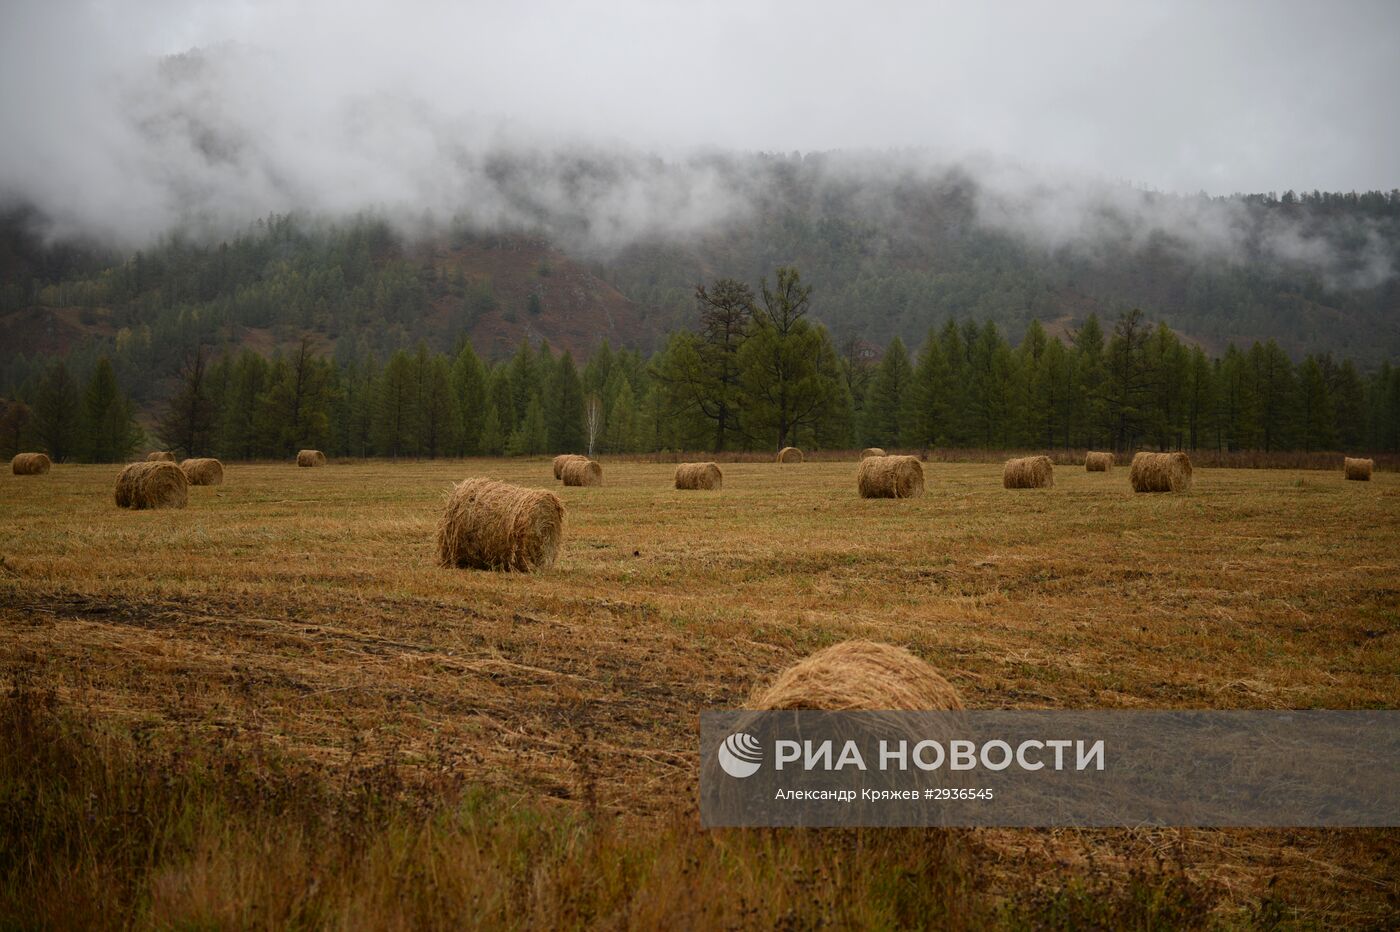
(272, 708)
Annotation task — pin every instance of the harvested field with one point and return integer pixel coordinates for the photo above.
(302, 613)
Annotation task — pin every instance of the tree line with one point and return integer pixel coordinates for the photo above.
(755, 373)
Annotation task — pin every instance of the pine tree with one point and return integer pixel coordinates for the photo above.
(109, 427)
(58, 413)
(531, 438)
(396, 410)
(439, 420)
(189, 420)
(888, 389)
(469, 384)
(566, 412)
(1315, 410)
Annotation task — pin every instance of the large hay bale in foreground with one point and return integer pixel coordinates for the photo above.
(1098, 462)
(202, 470)
(582, 471)
(152, 485)
(890, 477)
(859, 676)
(1358, 469)
(491, 525)
(310, 458)
(30, 464)
(160, 456)
(789, 455)
(699, 476)
(1028, 472)
(563, 458)
(871, 451)
(1160, 472)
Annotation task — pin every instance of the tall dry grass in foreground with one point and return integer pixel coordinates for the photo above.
(102, 829)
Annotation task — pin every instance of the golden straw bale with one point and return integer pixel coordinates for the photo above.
(871, 451)
(563, 458)
(160, 456)
(581, 471)
(1028, 472)
(152, 485)
(30, 464)
(1160, 472)
(789, 455)
(859, 676)
(1098, 462)
(890, 477)
(699, 476)
(1358, 469)
(203, 471)
(495, 526)
(309, 458)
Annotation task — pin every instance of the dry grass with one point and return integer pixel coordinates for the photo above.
(1358, 469)
(789, 455)
(152, 484)
(890, 477)
(490, 525)
(203, 471)
(1160, 472)
(871, 451)
(1098, 462)
(581, 471)
(30, 464)
(160, 456)
(1028, 472)
(699, 476)
(305, 612)
(310, 458)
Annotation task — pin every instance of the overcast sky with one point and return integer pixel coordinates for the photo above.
(1178, 96)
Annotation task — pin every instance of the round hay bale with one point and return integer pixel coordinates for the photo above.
(491, 525)
(563, 458)
(890, 477)
(160, 456)
(859, 676)
(30, 464)
(152, 485)
(699, 476)
(1028, 472)
(1358, 469)
(581, 471)
(1098, 462)
(310, 458)
(871, 451)
(203, 471)
(789, 455)
(1160, 472)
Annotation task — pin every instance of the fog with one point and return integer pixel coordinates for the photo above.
(123, 120)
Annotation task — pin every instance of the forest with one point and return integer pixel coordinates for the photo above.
(753, 372)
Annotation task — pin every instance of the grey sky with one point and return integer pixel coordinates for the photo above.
(327, 104)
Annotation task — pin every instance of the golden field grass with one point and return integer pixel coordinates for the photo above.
(300, 613)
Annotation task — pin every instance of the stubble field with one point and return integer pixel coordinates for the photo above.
(294, 619)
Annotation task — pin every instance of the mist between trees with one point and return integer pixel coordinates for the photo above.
(755, 374)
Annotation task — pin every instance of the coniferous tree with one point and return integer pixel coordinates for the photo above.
(888, 390)
(469, 384)
(109, 425)
(57, 418)
(396, 423)
(566, 411)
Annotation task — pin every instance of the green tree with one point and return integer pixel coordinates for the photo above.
(109, 424)
(396, 421)
(888, 391)
(58, 413)
(469, 384)
(783, 388)
(566, 409)
(439, 419)
(531, 438)
(1315, 410)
